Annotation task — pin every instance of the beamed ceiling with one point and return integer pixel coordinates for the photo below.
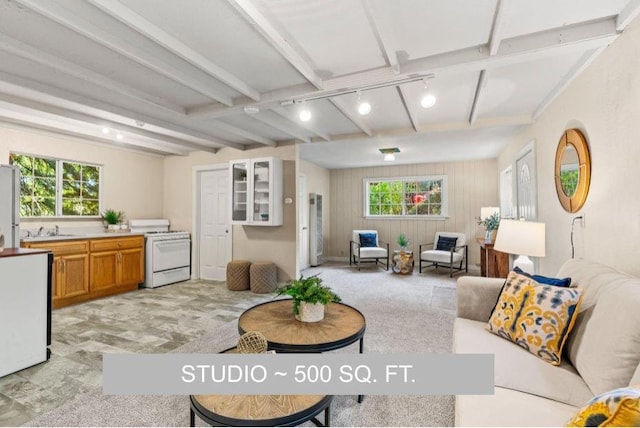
(172, 77)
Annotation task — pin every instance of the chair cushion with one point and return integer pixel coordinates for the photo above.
(558, 282)
(445, 243)
(534, 316)
(368, 239)
(375, 252)
(437, 256)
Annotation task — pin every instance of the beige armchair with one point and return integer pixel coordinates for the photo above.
(365, 247)
(447, 248)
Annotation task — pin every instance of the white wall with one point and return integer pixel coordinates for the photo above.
(255, 243)
(604, 103)
(472, 185)
(132, 181)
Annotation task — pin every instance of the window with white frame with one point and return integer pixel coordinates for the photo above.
(506, 193)
(57, 188)
(424, 196)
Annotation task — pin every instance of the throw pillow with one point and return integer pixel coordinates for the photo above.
(445, 243)
(617, 408)
(368, 240)
(558, 282)
(534, 316)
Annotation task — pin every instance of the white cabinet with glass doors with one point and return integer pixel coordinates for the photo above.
(256, 191)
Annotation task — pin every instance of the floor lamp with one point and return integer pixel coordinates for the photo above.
(522, 238)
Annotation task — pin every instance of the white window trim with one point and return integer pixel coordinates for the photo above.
(444, 204)
(59, 215)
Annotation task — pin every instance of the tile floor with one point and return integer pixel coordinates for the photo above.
(144, 321)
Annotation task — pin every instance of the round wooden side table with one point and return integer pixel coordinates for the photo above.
(403, 262)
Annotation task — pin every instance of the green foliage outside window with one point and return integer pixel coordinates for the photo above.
(569, 180)
(405, 197)
(77, 185)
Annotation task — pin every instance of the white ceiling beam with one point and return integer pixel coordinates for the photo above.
(482, 80)
(167, 41)
(309, 126)
(383, 34)
(404, 96)
(440, 127)
(242, 133)
(15, 47)
(129, 50)
(628, 14)
(291, 53)
(30, 89)
(497, 28)
(350, 113)
(577, 69)
(82, 120)
(281, 124)
(516, 50)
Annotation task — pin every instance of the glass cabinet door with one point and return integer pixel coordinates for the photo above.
(261, 187)
(240, 190)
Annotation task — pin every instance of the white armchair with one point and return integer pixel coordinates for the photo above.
(362, 250)
(450, 251)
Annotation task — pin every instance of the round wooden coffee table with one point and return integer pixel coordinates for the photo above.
(258, 410)
(342, 325)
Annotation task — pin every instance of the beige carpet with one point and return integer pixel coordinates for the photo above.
(404, 314)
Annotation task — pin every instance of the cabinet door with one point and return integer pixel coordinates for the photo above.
(261, 196)
(74, 275)
(104, 270)
(56, 285)
(131, 266)
(240, 192)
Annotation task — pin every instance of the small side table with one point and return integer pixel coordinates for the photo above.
(493, 264)
(403, 262)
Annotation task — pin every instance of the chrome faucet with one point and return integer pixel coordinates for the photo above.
(40, 231)
(57, 230)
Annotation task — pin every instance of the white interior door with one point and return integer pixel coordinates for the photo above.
(303, 222)
(215, 237)
(526, 184)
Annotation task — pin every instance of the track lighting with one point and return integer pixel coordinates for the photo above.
(105, 131)
(428, 101)
(305, 113)
(364, 108)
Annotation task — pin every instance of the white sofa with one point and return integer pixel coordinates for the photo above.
(602, 352)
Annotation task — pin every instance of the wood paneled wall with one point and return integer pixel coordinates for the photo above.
(471, 185)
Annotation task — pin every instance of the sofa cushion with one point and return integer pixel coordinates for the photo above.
(547, 280)
(605, 344)
(536, 317)
(517, 369)
(617, 408)
(511, 408)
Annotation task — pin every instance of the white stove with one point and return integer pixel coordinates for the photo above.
(167, 252)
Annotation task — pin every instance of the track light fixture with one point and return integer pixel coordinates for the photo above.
(364, 108)
(428, 100)
(305, 113)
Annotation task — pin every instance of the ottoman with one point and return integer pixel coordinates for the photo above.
(238, 275)
(264, 277)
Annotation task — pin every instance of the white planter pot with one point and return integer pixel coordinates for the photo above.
(113, 227)
(310, 312)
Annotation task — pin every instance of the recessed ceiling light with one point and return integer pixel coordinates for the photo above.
(305, 115)
(105, 130)
(119, 136)
(252, 109)
(428, 101)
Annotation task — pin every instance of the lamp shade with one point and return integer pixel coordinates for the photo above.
(526, 238)
(486, 212)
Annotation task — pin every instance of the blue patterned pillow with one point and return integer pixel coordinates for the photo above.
(446, 243)
(558, 282)
(368, 240)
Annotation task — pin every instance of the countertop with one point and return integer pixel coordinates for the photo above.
(76, 236)
(14, 252)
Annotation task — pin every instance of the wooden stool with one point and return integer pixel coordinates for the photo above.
(238, 275)
(264, 277)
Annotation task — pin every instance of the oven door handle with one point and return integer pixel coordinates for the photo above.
(172, 242)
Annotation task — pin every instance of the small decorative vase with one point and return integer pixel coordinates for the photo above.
(310, 312)
(113, 227)
(487, 236)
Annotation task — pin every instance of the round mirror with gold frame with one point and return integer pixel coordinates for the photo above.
(573, 170)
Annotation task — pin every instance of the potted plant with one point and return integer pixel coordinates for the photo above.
(490, 224)
(403, 242)
(309, 297)
(112, 218)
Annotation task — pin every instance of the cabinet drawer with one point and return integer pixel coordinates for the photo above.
(114, 244)
(61, 248)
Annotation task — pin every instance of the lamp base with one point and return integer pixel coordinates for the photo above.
(524, 263)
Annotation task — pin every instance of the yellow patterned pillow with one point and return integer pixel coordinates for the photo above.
(534, 316)
(617, 408)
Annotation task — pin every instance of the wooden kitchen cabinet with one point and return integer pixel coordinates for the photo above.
(70, 272)
(90, 268)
